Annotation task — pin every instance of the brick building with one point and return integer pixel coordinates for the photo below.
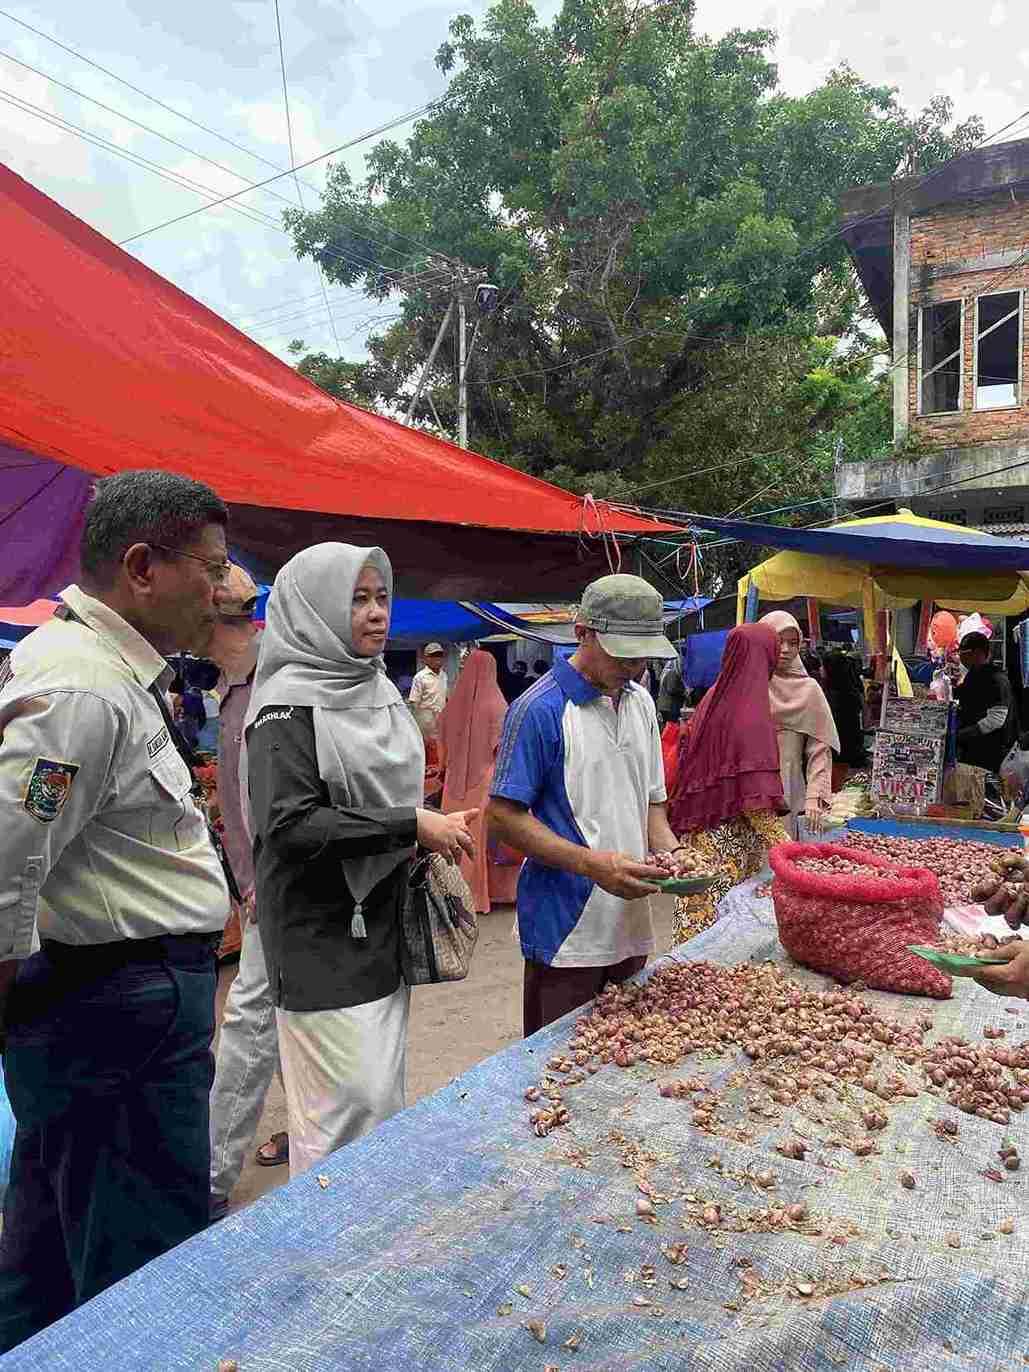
(944, 259)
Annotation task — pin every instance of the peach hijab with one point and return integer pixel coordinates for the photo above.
(798, 702)
(471, 722)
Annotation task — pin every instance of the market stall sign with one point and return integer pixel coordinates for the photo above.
(907, 768)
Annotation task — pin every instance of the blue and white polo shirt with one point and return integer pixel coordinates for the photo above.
(590, 773)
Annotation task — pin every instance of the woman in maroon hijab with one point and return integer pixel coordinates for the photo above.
(727, 798)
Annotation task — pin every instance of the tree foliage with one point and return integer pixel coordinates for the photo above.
(679, 322)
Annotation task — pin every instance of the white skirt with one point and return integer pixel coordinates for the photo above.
(343, 1072)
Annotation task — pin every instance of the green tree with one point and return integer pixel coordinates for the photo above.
(661, 221)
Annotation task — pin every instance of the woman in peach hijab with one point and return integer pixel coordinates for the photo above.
(805, 730)
(469, 735)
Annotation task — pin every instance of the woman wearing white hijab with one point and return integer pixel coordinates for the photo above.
(335, 764)
(805, 730)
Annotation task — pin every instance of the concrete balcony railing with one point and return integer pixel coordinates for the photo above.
(980, 476)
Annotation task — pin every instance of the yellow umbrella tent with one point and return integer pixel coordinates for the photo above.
(871, 586)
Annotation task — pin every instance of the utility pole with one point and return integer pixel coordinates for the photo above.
(486, 300)
(429, 361)
(462, 376)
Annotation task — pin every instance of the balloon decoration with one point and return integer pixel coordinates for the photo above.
(943, 630)
(974, 624)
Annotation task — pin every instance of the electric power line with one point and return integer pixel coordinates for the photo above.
(363, 325)
(297, 317)
(170, 109)
(290, 171)
(703, 471)
(292, 159)
(175, 178)
(136, 159)
(255, 215)
(294, 170)
(182, 147)
(682, 516)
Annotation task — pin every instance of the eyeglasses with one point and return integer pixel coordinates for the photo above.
(218, 570)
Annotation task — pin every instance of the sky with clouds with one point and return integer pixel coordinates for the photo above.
(354, 65)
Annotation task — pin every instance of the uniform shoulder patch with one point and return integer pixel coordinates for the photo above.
(48, 788)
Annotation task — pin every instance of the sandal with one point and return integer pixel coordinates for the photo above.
(274, 1152)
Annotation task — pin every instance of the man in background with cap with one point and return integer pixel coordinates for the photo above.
(579, 788)
(248, 1046)
(429, 690)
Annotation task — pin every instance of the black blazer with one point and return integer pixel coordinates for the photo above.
(304, 906)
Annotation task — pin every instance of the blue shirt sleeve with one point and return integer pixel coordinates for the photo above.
(527, 752)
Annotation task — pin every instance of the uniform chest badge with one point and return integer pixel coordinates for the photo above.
(48, 788)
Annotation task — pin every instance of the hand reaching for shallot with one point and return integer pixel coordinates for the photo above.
(1009, 978)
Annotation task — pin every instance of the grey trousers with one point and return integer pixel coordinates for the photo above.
(248, 1058)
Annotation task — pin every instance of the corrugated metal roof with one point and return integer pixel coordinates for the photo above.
(1003, 530)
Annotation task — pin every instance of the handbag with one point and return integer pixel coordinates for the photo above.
(440, 927)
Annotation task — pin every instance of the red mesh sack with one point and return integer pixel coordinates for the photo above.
(855, 927)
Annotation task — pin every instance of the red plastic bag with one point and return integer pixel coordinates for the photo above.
(670, 753)
(855, 927)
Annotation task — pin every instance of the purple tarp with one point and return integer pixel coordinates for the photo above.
(41, 512)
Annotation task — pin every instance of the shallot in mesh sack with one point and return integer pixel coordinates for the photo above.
(855, 923)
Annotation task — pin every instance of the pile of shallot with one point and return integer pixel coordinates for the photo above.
(680, 863)
(961, 867)
(805, 1049)
(835, 866)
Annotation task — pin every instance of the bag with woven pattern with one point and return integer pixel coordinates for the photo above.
(440, 927)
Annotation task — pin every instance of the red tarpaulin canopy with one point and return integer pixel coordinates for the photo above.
(107, 366)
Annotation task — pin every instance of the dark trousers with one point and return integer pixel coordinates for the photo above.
(550, 992)
(108, 1066)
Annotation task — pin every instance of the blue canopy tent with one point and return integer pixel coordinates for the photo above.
(891, 541)
(449, 621)
(885, 563)
(414, 622)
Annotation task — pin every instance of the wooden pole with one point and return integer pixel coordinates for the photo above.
(924, 619)
(814, 622)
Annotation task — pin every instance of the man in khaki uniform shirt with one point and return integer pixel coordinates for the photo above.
(107, 859)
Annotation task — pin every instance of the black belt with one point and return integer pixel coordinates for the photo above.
(65, 969)
(87, 959)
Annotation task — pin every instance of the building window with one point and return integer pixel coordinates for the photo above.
(1003, 514)
(939, 341)
(998, 350)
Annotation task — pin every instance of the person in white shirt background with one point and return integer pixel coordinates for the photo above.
(429, 690)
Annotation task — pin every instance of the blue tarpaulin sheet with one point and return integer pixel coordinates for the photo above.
(6, 1134)
(414, 622)
(702, 658)
(938, 830)
(432, 1243)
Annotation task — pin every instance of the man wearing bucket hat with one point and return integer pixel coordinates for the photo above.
(429, 690)
(579, 789)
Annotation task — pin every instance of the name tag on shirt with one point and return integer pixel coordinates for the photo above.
(158, 743)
